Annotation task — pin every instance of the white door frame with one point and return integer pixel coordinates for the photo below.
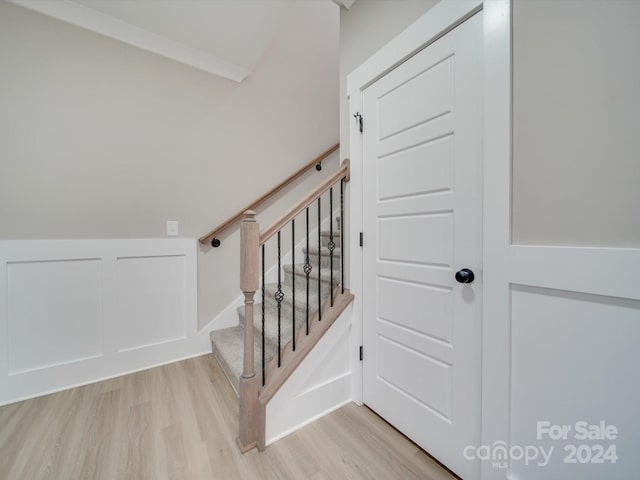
(496, 193)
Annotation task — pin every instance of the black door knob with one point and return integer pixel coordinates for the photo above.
(465, 276)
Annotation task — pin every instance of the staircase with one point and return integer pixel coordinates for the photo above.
(228, 343)
(280, 323)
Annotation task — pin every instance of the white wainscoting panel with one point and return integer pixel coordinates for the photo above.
(320, 384)
(74, 312)
(48, 300)
(574, 359)
(151, 300)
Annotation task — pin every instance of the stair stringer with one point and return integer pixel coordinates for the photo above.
(320, 384)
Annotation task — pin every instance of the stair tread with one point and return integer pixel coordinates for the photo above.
(324, 238)
(228, 348)
(301, 295)
(324, 251)
(271, 324)
(325, 272)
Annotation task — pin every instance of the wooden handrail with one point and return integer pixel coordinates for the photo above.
(252, 206)
(342, 172)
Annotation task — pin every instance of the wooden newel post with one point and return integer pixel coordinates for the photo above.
(249, 283)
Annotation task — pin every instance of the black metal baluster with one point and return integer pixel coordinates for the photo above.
(342, 235)
(263, 354)
(331, 244)
(307, 269)
(293, 283)
(319, 268)
(279, 296)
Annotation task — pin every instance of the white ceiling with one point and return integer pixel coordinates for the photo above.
(224, 37)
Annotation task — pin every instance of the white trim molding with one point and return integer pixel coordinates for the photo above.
(95, 21)
(74, 312)
(496, 303)
(597, 271)
(440, 19)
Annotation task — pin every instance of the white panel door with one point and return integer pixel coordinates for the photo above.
(422, 179)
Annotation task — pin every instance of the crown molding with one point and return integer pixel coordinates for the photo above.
(98, 22)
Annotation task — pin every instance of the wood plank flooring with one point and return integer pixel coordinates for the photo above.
(179, 421)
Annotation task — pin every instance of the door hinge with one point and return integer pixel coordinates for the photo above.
(361, 239)
(360, 121)
(361, 353)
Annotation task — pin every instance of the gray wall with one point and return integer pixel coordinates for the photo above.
(99, 139)
(576, 136)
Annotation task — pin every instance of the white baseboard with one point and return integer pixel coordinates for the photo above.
(73, 312)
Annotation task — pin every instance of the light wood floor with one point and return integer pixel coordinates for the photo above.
(179, 422)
